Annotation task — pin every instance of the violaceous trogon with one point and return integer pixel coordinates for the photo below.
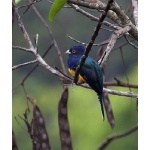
(90, 72)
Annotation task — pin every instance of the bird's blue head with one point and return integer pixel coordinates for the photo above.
(77, 50)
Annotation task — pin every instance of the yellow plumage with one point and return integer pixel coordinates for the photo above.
(80, 78)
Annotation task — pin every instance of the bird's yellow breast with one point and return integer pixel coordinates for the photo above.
(80, 78)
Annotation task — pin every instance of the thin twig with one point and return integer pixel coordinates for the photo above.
(130, 42)
(125, 20)
(51, 35)
(128, 8)
(111, 43)
(116, 14)
(31, 47)
(25, 34)
(35, 1)
(22, 48)
(120, 93)
(62, 7)
(115, 136)
(23, 80)
(121, 45)
(110, 91)
(23, 64)
(124, 65)
(93, 18)
(122, 84)
(77, 41)
(135, 12)
(88, 48)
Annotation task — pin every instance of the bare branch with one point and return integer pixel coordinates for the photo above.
(26, 36)
(98, 5)
(34, 1)
(23, 64)
(115, 136)
(23, 80)
(103, 43)
(112, 41)
(135, 12)
(121, 45)
(93, 18)
(130, 42)
(120, 83)
(88, 48)
(22, 48)
(51, 35)
(125, 20)
(33, 50)
(120, 93)
(116, 14)
(110, 91)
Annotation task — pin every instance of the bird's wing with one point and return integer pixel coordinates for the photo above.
(89, 73)
(93, 77)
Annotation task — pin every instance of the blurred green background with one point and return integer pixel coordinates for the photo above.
(86, 125)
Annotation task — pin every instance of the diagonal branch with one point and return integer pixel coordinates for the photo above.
(135, 12)
(112, 137)
(93, 18)
(25, 34)
(51, 35)
(130, 42)
(77, 41)
(120, 93)
(112, 42)
(116, 14)
(22, 48)
(88, 48)
(34, 50)
(98, 5)
(23, 64)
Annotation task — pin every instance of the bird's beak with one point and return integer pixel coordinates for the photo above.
(68, 52)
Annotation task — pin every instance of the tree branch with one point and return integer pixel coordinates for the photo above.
(116, 14)
(93, 18)
(22, 48)
(111, 43)
(115, 136)
(120, 93)
(25, 34)
(51, 35)
(88, 48)
(135, 12)
(130, 42)
(102, 43)
(23, 64)
(33, 50)
(121, 84)
(125, 20)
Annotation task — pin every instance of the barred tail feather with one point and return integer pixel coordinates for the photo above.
(100, 97)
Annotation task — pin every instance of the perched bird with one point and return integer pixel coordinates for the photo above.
(90, 72)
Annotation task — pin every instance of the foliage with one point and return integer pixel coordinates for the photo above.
(56, 6)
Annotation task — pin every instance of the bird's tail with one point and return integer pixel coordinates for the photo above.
(100, 97)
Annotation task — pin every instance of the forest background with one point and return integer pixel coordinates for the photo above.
(46, 90)
(87, 129)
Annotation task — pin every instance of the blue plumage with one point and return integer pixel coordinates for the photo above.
(90, 72)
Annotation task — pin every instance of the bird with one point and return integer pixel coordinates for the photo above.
(90, 73)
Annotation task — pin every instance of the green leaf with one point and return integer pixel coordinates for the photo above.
(57, 5)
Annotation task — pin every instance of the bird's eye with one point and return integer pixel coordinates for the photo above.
(73, 51)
